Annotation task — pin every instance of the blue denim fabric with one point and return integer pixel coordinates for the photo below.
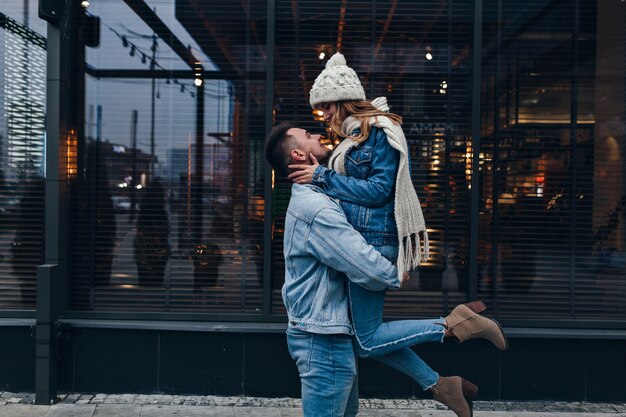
(367, 191)
(318, 236)
(327, 367)
(389, 342)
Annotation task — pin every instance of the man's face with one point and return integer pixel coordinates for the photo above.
(329, 109)
(306, 144)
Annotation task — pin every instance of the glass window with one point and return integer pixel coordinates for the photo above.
(168, 202)
(22, 114)
(552, 171)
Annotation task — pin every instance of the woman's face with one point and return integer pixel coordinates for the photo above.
(328, 109)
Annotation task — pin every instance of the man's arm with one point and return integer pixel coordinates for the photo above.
(335, 243)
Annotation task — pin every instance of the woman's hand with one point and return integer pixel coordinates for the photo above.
(405, 278)
(303, 174)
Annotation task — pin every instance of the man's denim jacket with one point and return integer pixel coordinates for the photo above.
(367, 191)
(320, 245)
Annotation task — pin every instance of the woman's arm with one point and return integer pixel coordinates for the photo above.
(373, 191)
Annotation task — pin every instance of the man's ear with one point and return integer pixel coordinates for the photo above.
(298, 155)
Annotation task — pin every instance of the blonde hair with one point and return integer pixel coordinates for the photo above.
(362, 110)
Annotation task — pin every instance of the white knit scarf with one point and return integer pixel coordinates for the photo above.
(408, 211)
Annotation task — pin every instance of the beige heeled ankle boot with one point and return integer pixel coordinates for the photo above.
(465, 323)
(456, 393)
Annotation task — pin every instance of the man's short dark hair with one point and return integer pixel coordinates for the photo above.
(278, 148)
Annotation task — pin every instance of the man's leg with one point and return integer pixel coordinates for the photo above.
(327, 368)
(353, 400)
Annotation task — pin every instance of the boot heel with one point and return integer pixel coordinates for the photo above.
(476, 306)
(470, 390)
(471, 406)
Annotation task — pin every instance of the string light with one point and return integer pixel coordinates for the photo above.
(146, 59)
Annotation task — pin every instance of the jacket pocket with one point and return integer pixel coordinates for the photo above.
(359, 162)
(361, 155)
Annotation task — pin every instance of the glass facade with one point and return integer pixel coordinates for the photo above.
(172, 208)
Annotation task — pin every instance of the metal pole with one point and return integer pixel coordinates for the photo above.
(62, 52)
(152, 67)
(269, 122)
(198, 182)
(475, 183)
(133, 182)
(573, 152)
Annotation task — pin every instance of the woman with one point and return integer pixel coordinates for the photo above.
(368, 173)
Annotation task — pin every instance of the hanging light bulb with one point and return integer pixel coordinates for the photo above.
(132, 50)
(124, 41)
(143, 58)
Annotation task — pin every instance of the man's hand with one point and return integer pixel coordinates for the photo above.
(405, 278)
(303, 173)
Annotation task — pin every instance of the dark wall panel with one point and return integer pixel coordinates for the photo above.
(201, 363)
(115, 361)
(17, 350)
(544, 370)
(606, 370)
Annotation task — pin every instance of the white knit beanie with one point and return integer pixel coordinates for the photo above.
(338, 82)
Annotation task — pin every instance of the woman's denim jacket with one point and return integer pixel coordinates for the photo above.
(367, 191)
(320, 247)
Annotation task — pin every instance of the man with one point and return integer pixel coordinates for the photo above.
(317, 234)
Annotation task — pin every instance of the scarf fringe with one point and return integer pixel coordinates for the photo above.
(412, 252)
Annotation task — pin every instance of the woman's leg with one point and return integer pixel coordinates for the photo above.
(375, 337)
(407, 362)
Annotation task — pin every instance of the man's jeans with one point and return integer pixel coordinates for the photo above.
(389, 342)
(327, 367)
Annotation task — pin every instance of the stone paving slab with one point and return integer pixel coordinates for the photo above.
(121, 410)
(70, 410)
(23, 410)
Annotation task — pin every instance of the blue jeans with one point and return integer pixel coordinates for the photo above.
(389, 342)
(327, 367)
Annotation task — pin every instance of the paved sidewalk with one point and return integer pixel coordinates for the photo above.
(131, 405)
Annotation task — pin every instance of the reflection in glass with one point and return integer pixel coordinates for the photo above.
(180, 162)
(22, 112)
